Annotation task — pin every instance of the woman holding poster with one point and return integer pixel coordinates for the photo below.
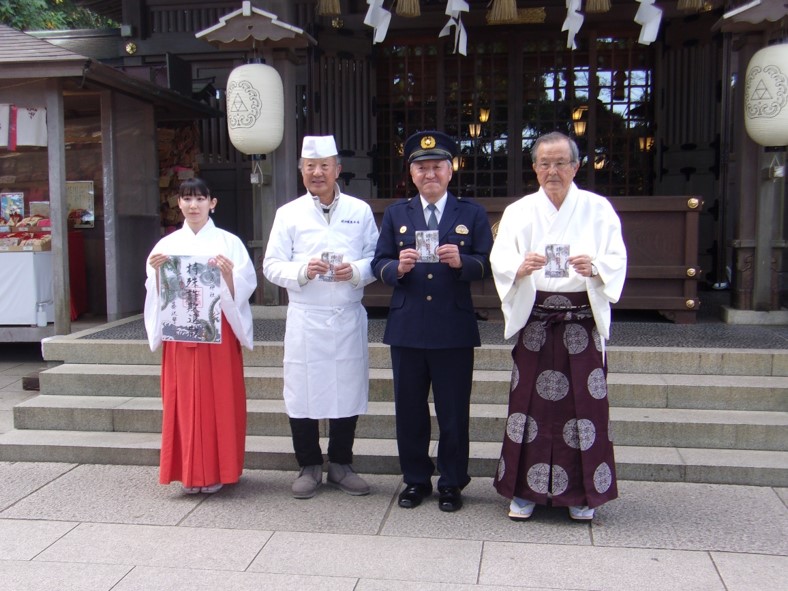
(200, 279)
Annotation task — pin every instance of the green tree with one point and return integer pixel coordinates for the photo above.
(49, 15)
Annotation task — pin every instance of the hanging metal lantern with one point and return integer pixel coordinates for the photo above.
(255, 108)
(766, 96)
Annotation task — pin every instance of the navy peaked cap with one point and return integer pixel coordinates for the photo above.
(429, 145)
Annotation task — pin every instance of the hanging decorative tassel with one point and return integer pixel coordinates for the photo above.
(693, 5)
(328, 8)
(502, 11)
(408, 8)
(597, 6)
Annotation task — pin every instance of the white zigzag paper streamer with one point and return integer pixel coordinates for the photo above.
(574, 20)
(650, 17)
(378, 18)
(455, 8)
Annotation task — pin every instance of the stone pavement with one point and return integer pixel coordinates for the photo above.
(90, 527)
(100, 528)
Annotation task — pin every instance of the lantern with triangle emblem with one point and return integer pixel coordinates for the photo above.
(766, 96)
(255, 93)
(255, 108)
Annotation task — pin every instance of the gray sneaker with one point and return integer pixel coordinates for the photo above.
(347, 480)
(309, 478)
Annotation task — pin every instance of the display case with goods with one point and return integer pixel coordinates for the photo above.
(20, 233)
(26, 260)
(26, 296)
(26, 288)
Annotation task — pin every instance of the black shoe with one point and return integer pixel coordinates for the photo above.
(413, 495)
(450, 498)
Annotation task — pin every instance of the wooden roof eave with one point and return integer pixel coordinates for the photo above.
(169, 104)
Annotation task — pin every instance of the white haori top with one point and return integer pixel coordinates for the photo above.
(586, 222)
(209, 241)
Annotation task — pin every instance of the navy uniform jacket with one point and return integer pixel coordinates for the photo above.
(431, 307)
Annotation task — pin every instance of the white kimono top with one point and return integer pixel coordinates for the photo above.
(588, 224)
(209, 241)
(326, 367)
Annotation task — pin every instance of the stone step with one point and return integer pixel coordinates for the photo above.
(489, 387)
(376, 456)
(639, 360)
(691, 428)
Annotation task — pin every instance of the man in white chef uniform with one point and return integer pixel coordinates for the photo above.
(320, 250)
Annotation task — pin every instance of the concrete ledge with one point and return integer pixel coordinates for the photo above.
(770, 318)
(25, 334)
(379, 456)
(269, 312)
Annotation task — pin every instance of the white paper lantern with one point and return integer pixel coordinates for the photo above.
(766, 96)
(255, 108)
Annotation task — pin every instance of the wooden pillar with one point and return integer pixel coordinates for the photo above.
(111, 247)
(58, 207)
(277, 181)
(763, 237)
(746, 167)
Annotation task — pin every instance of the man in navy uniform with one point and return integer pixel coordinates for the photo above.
(431, 324)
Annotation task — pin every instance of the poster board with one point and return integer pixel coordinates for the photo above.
(12, 207)
(81, 204)
(189, 288)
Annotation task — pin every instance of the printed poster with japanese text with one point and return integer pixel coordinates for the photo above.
(189, 289)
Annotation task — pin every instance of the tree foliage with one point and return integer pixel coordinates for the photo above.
(49, 15)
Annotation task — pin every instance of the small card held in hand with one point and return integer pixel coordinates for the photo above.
(333, 259)
(427, 245)
(557, 260)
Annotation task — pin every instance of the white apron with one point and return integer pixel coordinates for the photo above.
(326, 369)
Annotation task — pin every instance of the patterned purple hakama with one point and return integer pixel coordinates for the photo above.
(557, 444)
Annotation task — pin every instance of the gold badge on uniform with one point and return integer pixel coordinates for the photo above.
(461, 229)
(427, 142)
(403, 229)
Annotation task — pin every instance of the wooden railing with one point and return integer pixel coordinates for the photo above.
(661, 235)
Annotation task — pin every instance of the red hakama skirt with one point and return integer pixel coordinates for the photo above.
(203, 434)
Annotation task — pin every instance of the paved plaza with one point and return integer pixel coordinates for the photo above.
(103, 527)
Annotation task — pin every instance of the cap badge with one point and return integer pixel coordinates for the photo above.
(403, 229)
(427, 142)
(462, 229)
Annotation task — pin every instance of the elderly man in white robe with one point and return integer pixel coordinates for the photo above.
(320, 249)
(558, 261)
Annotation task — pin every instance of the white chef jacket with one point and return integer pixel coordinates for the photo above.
(588, 224)
(326, 357)
(209, 241)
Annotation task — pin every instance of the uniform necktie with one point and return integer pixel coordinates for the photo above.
(432, 223)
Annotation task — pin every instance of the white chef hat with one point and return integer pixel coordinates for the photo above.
(319, 146)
